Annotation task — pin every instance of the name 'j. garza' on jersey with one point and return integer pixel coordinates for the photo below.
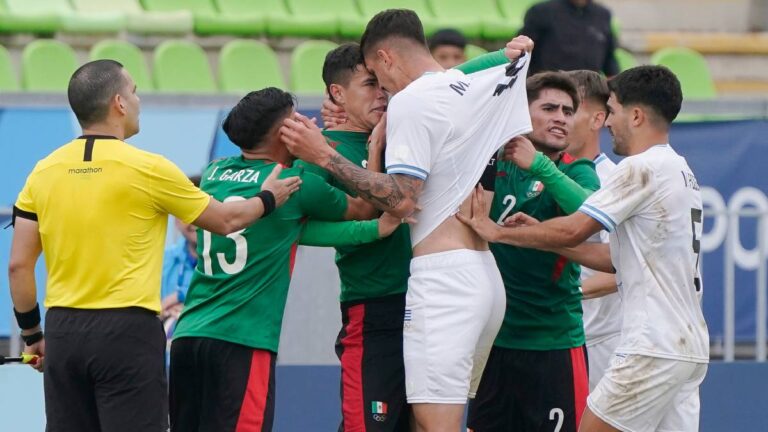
(443, 128)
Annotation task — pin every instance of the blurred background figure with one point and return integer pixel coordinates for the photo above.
(178, 267)
(570, 35)
(447, 47)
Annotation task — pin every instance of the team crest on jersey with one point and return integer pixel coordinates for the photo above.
(379, 411)
(536, 188)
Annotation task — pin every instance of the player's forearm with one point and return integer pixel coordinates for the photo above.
(381, 190)
(21, 278)
(568, 194)
(226, 218)
(548, 235)
(598, 285)
(485, 61)
(596, 256)
(318, 233)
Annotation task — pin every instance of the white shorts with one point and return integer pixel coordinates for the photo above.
(599, 355)
(453, 310)
(645, 394)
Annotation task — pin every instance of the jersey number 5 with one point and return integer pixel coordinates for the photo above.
(241, 250)
(696, 219)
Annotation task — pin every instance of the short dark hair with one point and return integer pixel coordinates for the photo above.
(551, 80)
(450, 37)
(655, 87)
(255, 115)
(91, 89)
(592, 86)
(339, 65)
(195, 179)
(401, 23)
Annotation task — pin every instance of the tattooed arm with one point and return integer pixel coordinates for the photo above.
(395, 194)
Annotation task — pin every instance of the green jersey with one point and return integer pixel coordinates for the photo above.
(543, 296)
(240, 285)
(374, 269)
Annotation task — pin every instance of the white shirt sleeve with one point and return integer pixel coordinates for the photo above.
(626, 191)
(416, 130)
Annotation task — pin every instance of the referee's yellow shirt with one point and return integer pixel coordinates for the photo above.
(102, 206)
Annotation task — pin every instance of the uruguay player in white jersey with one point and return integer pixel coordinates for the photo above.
(443, 127)
(651, 205)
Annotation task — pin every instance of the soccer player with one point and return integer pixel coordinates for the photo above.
(98, 208)
(602, 315)
(223, 353)
(536, 375)
(443, 127)
(651, 205)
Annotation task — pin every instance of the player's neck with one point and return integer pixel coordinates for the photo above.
(267, 153)
(417, 67)
(105, 130)
(351, 125)
(589, 150)
(648, 139)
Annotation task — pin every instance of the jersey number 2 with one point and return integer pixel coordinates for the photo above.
(241, 250)
(508, 201)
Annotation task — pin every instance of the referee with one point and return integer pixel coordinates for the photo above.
(98, 207)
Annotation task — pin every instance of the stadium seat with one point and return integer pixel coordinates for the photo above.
(480, 18)
(472, 51)
(344, 14)
(514, 11)
(691, 69)
(625, 59)
(182, 67)
(307, 66)
(208, 20)
(428, 20)
(71, 21)
(139, 21)
(246, 65)
(47, 65)
(281, 22)
(7, 77)
(15, 21)
(131, 58)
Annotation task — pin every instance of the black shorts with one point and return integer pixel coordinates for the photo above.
(105, 370)
(219, 386)
(531, 391)
(370, 348)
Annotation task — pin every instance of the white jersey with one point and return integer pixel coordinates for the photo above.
(444, 127)
(651, 205)
(602, 315)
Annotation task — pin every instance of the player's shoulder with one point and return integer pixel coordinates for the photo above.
(568, 161)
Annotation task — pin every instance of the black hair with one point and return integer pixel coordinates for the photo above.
(91, 89)
(591, 86)
(255, 115)
(195, 179)
(551, 80)
(340, 64)
(654, 87)
(400, 23)
(450, 37)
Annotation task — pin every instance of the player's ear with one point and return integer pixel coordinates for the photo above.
(384, 57)
(598, 120)
(118, 103)
(638, 116)
(337, 94)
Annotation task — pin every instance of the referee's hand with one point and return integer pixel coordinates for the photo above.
(37, 348)
(280, 188)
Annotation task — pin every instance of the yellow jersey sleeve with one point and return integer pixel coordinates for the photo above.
(25, 201)
(173, 193)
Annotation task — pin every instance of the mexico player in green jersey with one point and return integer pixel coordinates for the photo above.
(536, 376)
(226, 340)
(374, 276)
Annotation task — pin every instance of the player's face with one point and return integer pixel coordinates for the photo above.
(130, 101)
(448, 55)
(618, 125)
(379, 69)
(583, 123)
(552, 116)
(363, 99)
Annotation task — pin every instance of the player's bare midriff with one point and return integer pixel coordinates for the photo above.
(451, 235)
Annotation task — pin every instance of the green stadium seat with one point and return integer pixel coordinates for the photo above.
(246, 65)
(131, 58)
(182, 67)
(514, 11)
(139, 21)
(470, 18)
(7, 77)
(625, 59)
(47, 65)
(307, 66)
(23, 21)
(337, 16)
(71, 21)
(281, 22)
(208, 20)
(472, 51)
(422, 9)
(691, 69)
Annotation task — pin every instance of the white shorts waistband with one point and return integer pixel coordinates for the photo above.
(451, 260)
